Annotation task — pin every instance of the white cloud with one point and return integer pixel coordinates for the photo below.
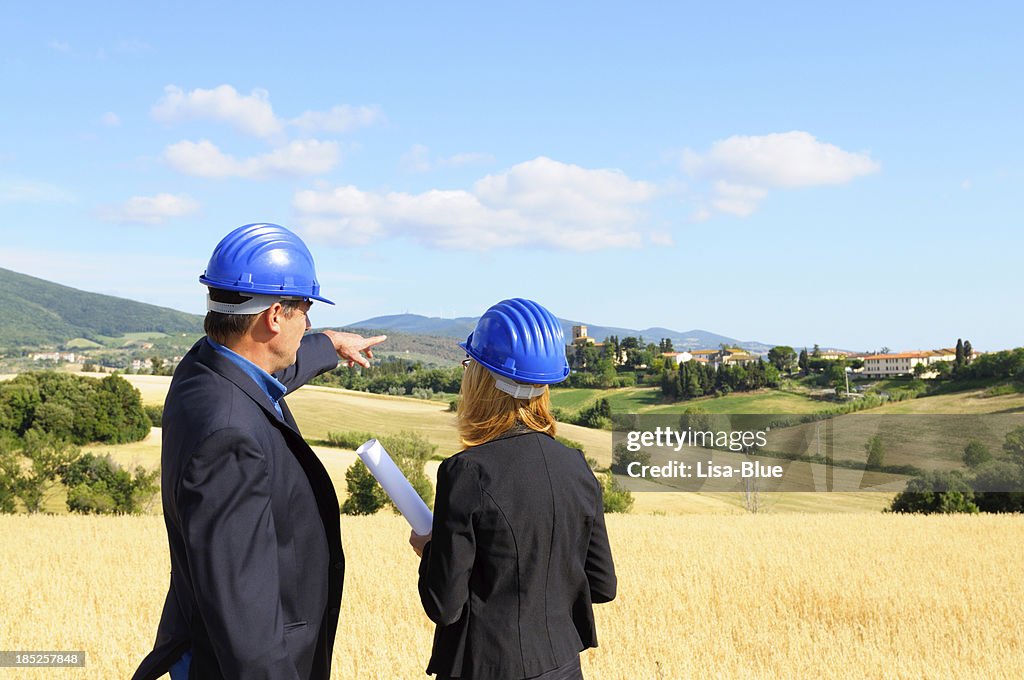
(31, 191)
(743, 168)
(781, 159)
(152, 209)
(418, 159)
(59, 46)
(251, 114)
(966, 184)
(536, 203)
(737, 199)
(341, 118)
(110, 119)
(301, 157)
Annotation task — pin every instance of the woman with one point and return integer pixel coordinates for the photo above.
(518, 550)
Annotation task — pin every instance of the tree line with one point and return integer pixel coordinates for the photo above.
(692, 379)
(44, 418)
(990, 485)
(395, 376)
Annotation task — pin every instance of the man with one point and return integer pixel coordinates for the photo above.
(252, 517)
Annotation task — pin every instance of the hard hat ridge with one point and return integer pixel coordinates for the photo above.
(520, 340)
(263, 259)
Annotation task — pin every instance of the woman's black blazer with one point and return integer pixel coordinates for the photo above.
(519, 553)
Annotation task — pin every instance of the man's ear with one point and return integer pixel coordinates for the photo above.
(273, 318)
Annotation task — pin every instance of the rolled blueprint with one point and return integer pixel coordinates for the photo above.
(397, 487)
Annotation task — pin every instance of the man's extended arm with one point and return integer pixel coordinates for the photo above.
(319, 353)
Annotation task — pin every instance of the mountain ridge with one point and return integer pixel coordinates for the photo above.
(49, 313)
(460, 327)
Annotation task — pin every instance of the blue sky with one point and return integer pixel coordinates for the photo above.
(792, 174)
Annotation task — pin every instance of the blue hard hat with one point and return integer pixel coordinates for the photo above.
(520, 340)
(264, 259)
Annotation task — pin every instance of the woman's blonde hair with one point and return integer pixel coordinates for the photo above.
(485, 411)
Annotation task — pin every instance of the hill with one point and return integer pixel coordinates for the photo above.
(46, 313)
(462, 326)
(431, 349)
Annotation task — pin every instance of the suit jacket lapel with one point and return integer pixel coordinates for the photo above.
(229, 371)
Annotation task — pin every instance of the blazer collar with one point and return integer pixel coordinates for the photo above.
(231, 372)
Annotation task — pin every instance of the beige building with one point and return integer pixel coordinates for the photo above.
(717, 357)
(903, 363)
(580, 337)
(677, 358)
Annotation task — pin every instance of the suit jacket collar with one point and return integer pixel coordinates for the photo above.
(231, 372)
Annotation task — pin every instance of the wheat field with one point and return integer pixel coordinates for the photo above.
(735, 596)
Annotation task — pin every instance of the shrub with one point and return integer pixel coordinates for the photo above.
(572, 444)
(936, 492)
(348, 439)
(876, 452)
(409, 451)
(976, 454)
(155, 412)
(365, 495)
(99, 485)
(622, 457)
(615, 497)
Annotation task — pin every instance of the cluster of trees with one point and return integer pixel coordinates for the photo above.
(99, 485)
(693, 379)
(990, 485)
(598, 416)
(44, 417)
(34, 467)
(1007, 364)
(395, 376)
(73, 407)
(616, 363)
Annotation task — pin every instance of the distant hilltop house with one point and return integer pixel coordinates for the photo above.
(903, 363)
(68, 357)
(580, 337)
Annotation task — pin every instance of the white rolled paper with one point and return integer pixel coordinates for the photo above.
(397, 487)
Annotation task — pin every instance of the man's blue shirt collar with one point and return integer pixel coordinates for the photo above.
(270, 385)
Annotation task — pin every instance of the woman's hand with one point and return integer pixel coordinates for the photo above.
(418, 542)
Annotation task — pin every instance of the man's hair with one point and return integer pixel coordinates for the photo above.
(485, 412)
(225, 328)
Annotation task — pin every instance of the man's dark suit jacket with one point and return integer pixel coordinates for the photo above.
(518, 555)
(253, 524)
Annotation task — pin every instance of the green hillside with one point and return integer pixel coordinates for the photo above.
(39, 312)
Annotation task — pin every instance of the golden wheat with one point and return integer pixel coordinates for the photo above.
(792, 596)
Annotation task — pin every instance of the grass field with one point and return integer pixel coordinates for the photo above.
(320, 410)
(786, 596)
(648, 400)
